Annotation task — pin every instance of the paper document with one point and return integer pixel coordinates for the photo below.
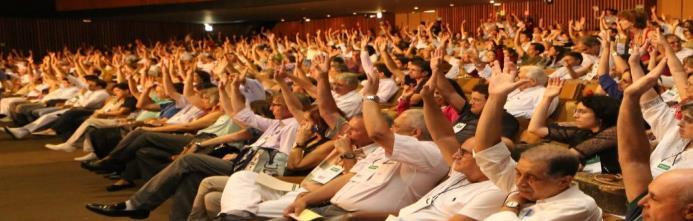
(306, 215)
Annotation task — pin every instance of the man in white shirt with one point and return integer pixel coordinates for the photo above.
(572, 61)
(244, 198)
(541, 183)
(345, 94)
(395, 175)
(181, 178)
(467, 194)
(388, 86)
(92, 99)
(522, 101)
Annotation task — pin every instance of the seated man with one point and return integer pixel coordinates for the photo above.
(64, 91)
(540, 184)
(399, 171)
(469, 112)
(181, 178)
(93, 98)
(467, 194)
(522, 102)
(572, 61)
(666, 197)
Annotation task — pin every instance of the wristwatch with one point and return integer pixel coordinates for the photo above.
(374, 98)
(512, 204)
(348, 156)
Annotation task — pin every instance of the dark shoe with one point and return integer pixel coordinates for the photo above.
(113, 187)
(101, 166)
(113, 176)
(117, 210)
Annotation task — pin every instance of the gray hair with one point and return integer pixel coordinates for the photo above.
(535, 73)
(350, 79)
(415, 119)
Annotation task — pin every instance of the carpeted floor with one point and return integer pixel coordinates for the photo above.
(41, 184)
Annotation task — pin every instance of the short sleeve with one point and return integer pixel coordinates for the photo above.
(483, 204)
(409, 150)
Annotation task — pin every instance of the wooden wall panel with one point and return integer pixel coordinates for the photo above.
(41, 35)
(560, 11)
(292, 27)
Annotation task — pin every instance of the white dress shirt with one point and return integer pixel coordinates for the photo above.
(385, 183)
(571, 204)
(349, 103)
(563, 73)
(61, 93)
(277, 134)
(670, 152)
(522, 103)
(93, 99)
(456, 195)
(252, 90)
(386, 88)
(187, 113)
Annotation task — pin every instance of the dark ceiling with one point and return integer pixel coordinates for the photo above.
(235, 11)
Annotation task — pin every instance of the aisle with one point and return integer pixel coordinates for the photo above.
(40, 184)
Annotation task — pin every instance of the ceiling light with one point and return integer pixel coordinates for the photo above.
(307, 19)
(283, 20)
(371, 16)
(354, 13)
(452, 5)
(416, 7)
(86, 20)
(328, 15)
(430, 11)
(492, 2)
(208, 27)
(379, 15)
(497, 4)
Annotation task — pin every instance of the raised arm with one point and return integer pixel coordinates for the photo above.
(501, 83)
(143, 99)
(169, 89)
(327, 106)
(537, 125)
(675, 66)
(633, 145)
(292, 102)
(438, 126)
(376, 127)
(443, 84)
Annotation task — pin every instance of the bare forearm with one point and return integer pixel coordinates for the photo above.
(537, 125)
(487, 133)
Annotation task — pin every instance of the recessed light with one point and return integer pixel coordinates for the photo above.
(328, 15)
(452, 5)
(430, 11)
(307, 20)
(492, 2)
(283, 20)
(86, 20)
(416, 7)
(379, 15)
(354, 13)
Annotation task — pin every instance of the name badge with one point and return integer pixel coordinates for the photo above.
(458, 127)
(664, 166)
(366, 174)
(526, 213)
(327, 174)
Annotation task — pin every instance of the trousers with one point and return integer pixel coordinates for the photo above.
(179, 180)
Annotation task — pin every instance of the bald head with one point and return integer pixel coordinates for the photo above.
(679, 182)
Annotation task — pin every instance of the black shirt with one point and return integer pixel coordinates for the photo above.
(469, 120)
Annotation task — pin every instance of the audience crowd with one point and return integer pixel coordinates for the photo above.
(393, 123)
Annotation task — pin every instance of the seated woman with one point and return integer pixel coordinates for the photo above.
(593, 133)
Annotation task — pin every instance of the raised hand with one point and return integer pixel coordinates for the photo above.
(553, 88)
(321, 63)
(503, 82)
(427, 92)
(643, 84)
